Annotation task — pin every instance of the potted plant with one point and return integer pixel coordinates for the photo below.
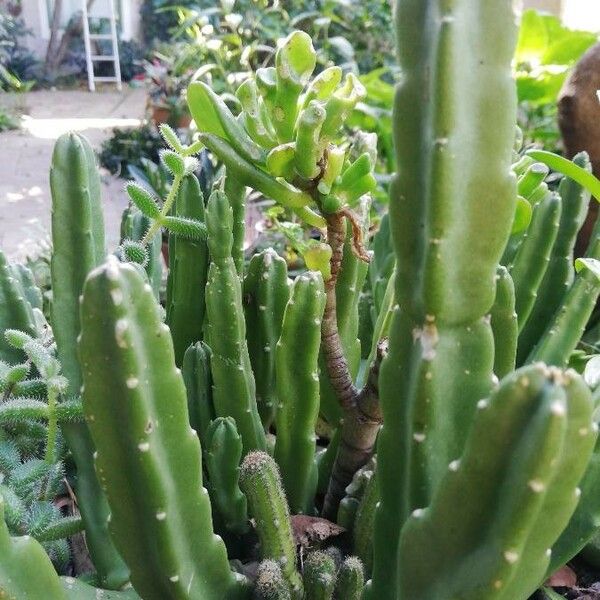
(168, 78)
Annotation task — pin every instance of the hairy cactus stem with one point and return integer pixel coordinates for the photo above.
(9, 389)
(359, 434)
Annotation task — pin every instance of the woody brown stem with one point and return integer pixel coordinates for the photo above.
(359, 434)
(335, 360)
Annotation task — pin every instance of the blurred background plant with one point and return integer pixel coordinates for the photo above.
(546, 51)
(17, 63)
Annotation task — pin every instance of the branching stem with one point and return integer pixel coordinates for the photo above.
(157, 224)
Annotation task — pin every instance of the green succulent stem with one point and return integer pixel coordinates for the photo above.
(166, 209)
(52, 425)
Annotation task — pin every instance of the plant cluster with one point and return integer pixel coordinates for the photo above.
(546, 51)
(17, 64)
(269, 437)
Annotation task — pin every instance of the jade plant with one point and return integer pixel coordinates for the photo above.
(396, 422)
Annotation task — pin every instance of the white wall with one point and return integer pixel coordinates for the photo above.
(35, 14)
(552, 6)
(577, 14)
(582, 14)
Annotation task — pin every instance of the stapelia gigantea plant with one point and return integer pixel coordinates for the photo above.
(484, 479)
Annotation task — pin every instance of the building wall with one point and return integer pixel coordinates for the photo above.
(582, 14)
(553, 6)
(35, 14)
(577, 14)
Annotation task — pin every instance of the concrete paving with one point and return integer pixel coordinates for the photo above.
(25, 159)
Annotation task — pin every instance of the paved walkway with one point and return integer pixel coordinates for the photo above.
(25, 160)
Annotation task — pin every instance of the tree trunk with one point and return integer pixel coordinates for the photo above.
(55, 53)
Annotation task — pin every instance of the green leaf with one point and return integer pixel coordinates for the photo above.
(143, 199)
(16, 338)
(540, 87)
(591, 373)
(533, 36)
(569, 50)
(171, 138)
(523, 213)
(550, 594)
(187, 228)
(173, 162)
(569, 169)
(591, 264)
(203, 110)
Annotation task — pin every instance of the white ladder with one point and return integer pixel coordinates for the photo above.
(92, 58)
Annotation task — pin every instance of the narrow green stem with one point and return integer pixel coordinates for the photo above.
(52, 424)
(157, 224)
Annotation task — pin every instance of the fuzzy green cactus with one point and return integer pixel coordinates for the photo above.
(319, 576)
(148, 457)
(350, 580)
(78, 247)
(451, 211)
(261, 482)
(270, 584)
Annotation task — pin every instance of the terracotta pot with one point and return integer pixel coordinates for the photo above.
(163, 114)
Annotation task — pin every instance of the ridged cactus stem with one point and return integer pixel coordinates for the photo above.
(261, 482)
(148, 456)
(234, 392)
(362, 532)
(198, 384)
(566, 328)
(495, 515)
(236, 192)
(297, 356)
(452, 206)
(188, 269)
(505, 327)
(560, 273)
(531, 260)
(222, 458)
(266, 293)
(78, 247)
(15, 311)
